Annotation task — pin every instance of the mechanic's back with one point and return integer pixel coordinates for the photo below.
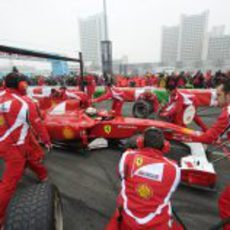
(148, 181)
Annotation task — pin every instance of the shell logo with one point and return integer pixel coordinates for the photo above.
(68, 133)
(53, 103)
(144, 191)
(2, 120)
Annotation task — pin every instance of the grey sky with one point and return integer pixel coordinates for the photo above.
(134, 25)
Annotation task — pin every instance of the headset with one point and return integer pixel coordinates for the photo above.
(22, 87)
(17, 81)
(140, 143)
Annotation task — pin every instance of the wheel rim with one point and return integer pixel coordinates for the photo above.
(58, 217)
(143, 110)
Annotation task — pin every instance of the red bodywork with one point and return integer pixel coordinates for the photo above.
(70, 124)
(200, 178)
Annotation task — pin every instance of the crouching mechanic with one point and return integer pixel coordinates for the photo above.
(18, 117)
(218, 129)
(148, 182)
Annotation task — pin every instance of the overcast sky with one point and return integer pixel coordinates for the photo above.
(134, 25)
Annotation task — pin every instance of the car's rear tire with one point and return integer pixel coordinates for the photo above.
(37, 207)
(142, 109)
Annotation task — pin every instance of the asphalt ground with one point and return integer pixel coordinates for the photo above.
(89, 185)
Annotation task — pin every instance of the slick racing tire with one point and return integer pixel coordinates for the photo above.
(142, 109)
(37, 207)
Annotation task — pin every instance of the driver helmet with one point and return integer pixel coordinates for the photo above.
(91, 111)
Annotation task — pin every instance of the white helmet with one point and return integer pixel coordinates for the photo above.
(91, 111)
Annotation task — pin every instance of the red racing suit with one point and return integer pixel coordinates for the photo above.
(116, 95)
(91, 85)
(210, 136)
(175, 108)
(16, 118)
(148, 182)
(35, 153)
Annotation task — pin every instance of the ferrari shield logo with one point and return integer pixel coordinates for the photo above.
(107, 129)
(139, 161)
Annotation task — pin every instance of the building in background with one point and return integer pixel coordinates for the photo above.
(169, 45)
(217, 31)
(219, 50)
(91, 34)
(186, 46)
(120, 66)
(193, 39)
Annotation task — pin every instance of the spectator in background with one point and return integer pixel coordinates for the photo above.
(198, 80)
(181, 81)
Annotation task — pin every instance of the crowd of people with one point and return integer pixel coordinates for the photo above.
(180, 80)
(183, 79)
(66, 80)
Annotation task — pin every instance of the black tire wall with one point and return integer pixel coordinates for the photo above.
(32, 208)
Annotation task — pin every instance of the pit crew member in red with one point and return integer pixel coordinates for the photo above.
(181, 108)
(90, 85)
(35, 153)
(148, 182)
(16, 118)
(116, 95)
(219, 128)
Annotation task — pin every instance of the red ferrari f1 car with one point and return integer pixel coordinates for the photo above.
(69, 125)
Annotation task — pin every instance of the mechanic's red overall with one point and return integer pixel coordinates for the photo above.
(116, 95)
(16, 116)
(35, 153)
(148, 181)
(91, 85)
(218, 128)
(176, 107)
